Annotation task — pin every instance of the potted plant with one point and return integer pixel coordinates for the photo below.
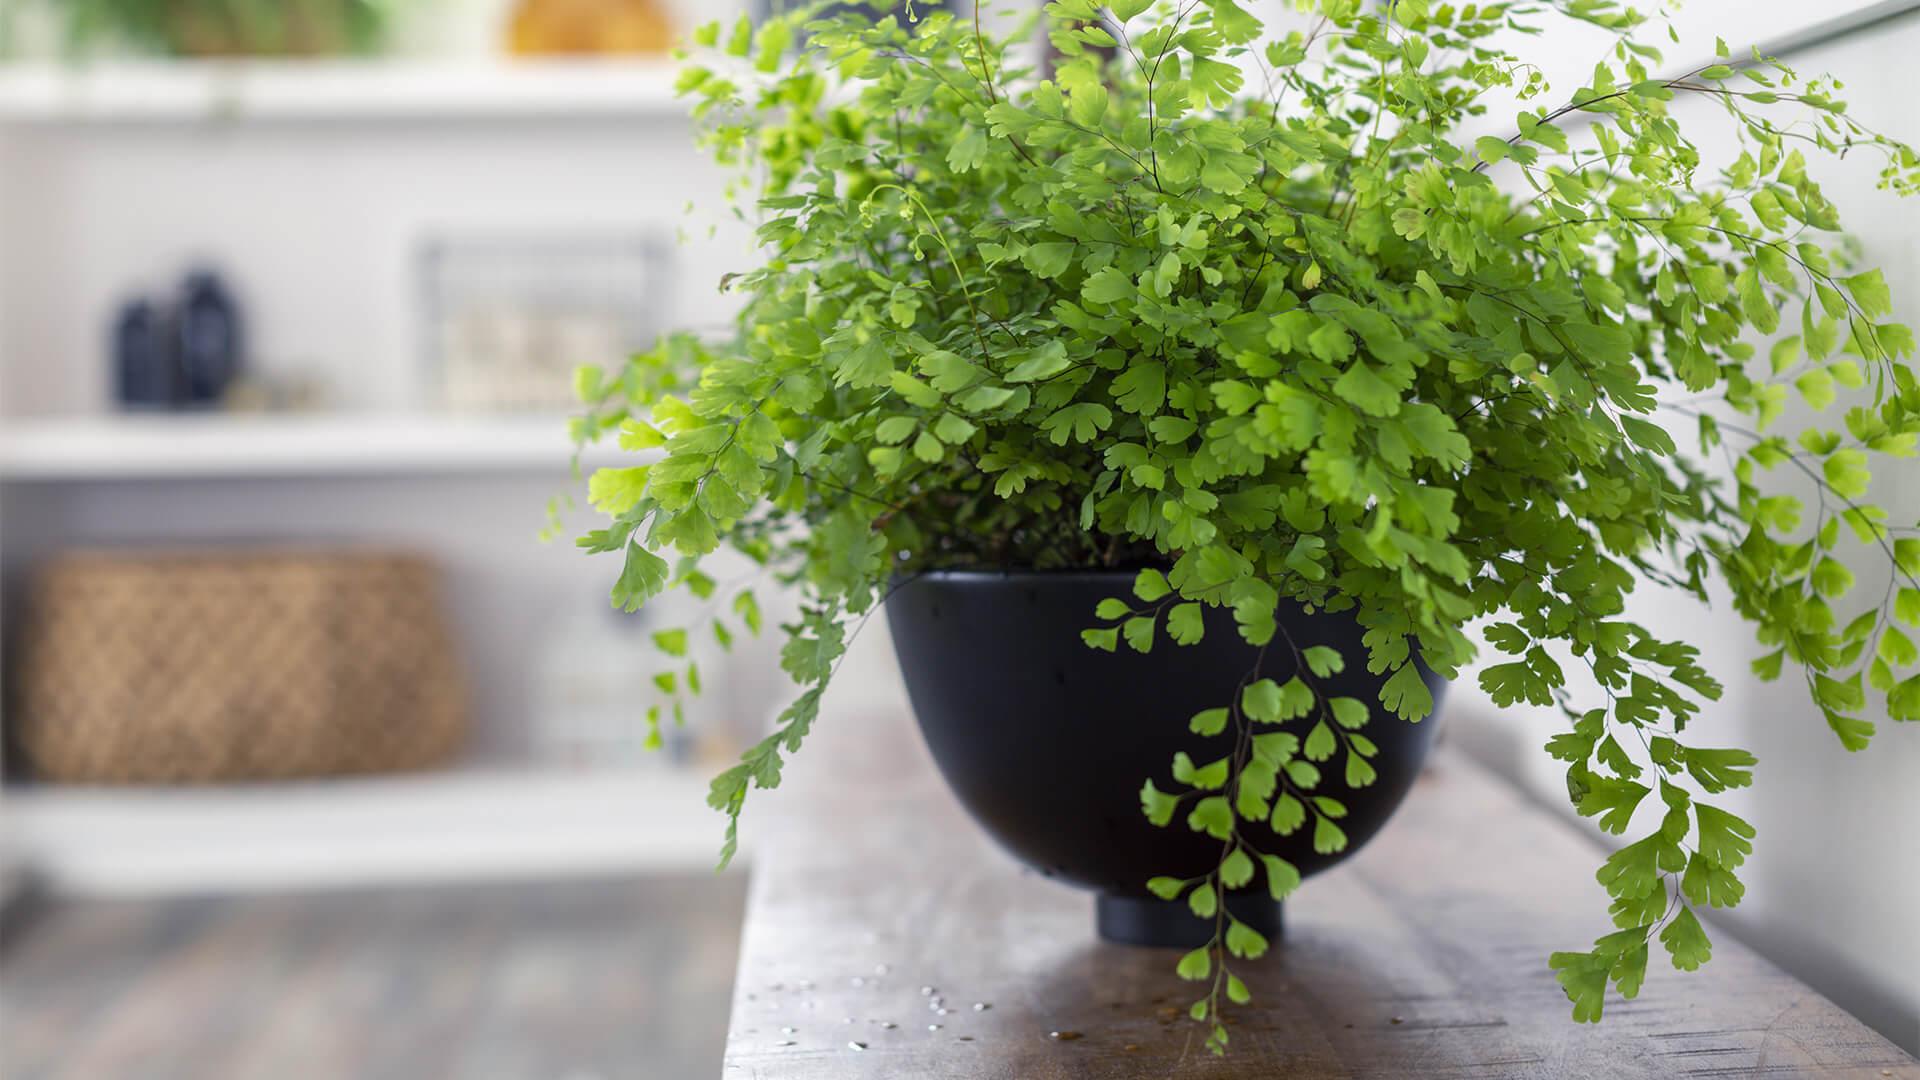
(1205, 394)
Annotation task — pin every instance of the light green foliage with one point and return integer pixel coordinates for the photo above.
(1299, 339)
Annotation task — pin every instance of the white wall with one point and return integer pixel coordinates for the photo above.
(1834, 883)
(317, 224)
(318, 227)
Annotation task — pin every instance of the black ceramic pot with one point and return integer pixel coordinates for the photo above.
(1046, 741)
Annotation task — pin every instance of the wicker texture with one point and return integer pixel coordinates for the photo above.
(222, 666)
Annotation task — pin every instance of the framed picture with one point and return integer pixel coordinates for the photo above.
(507, 318)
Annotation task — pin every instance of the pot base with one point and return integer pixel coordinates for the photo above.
(1132, 920)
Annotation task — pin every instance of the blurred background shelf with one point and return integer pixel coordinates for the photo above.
(139, 447)
(419, 239)
(471, 823)
(189, 91)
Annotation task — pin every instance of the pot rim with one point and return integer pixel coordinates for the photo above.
(1017, 574)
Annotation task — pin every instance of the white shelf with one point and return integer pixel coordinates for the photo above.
(347, 833)
(190, 446)
(188, 91)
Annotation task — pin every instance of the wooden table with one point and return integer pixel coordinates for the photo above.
(1423, 956)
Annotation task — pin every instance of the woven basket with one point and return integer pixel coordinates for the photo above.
(222, 665)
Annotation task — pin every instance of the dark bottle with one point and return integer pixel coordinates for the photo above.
(208, 339)
(145, 376)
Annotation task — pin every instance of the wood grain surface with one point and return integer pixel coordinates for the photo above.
(1423, 956)
(591, 979)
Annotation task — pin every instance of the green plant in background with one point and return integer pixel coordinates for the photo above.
(214, 27)
(1305, 313)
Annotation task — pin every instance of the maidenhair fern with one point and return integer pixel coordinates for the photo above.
(1302, 313)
